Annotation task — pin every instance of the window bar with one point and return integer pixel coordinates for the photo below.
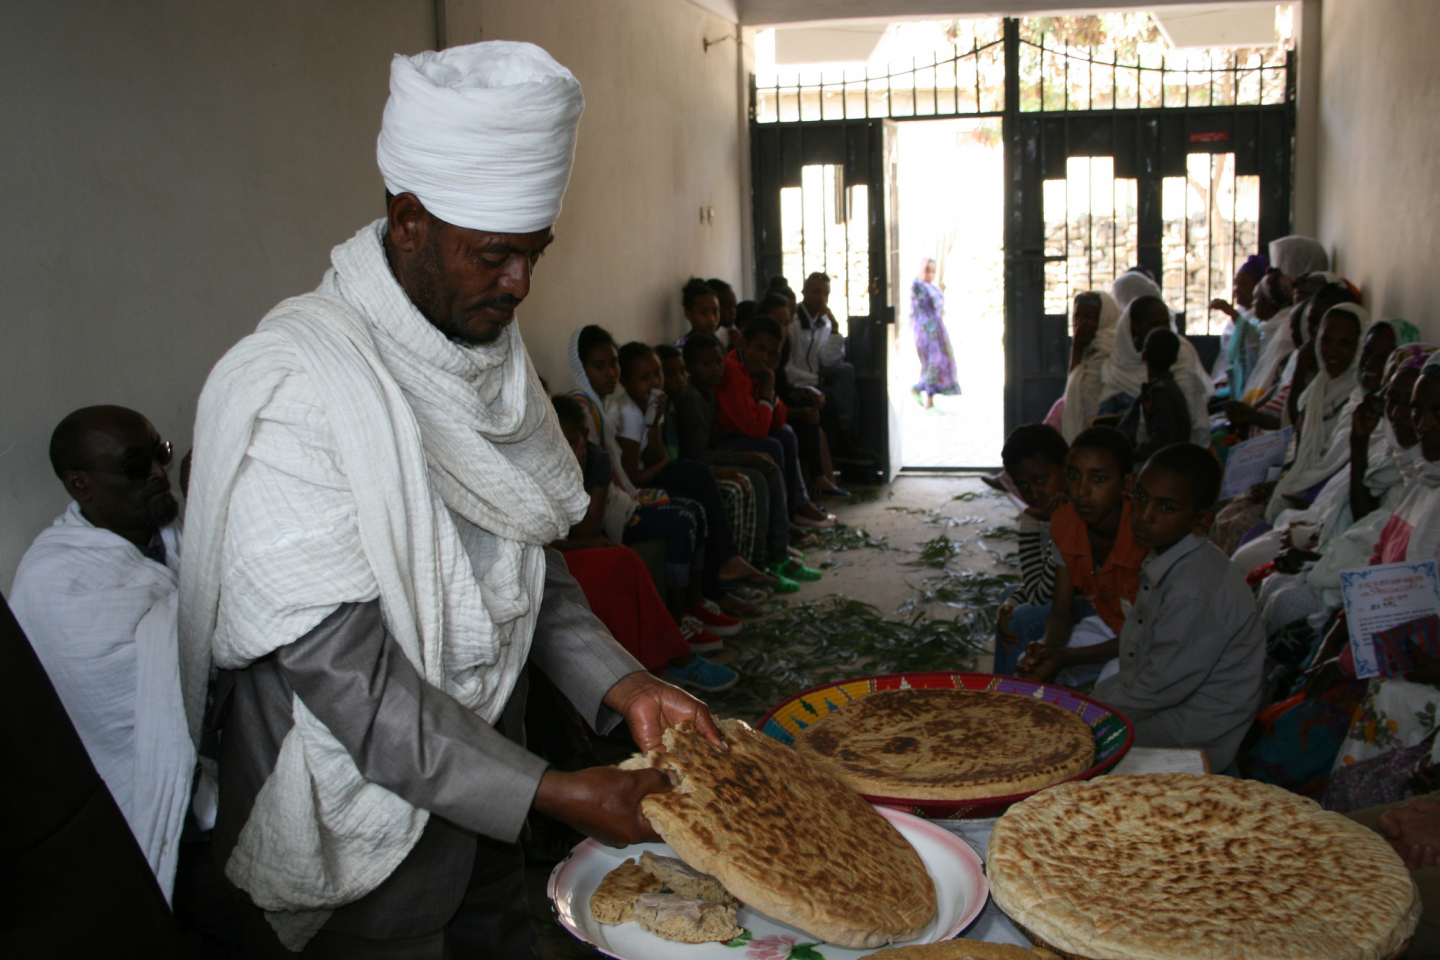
(1041, 71)
(975, 57)
(1067, 76)
(889, 92)
(1090, 77)
(914, 88)
(1115, 81)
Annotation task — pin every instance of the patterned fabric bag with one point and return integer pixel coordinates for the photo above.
(1378, 780)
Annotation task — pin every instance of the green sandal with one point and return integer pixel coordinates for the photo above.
(783, 583)
(801, 572)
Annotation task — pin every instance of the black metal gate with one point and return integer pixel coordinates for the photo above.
(1175, 144)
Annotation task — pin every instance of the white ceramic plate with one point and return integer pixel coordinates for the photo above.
(960, 892)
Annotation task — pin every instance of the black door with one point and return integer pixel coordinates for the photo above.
(1191, 191)
(852, 161)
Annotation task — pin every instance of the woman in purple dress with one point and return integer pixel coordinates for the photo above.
(937, 365)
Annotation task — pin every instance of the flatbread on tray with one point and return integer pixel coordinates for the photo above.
(1185, 867)
(949, 744)
(788, 839)
(965, 950)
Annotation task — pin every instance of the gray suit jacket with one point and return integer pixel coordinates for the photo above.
(413, 739)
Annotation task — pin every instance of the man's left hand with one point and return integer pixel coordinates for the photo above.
(650, 706)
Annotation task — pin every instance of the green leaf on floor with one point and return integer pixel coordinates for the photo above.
(968, 496)
(1002, 532)
(936, 552)
(820, 641)
(845, 537)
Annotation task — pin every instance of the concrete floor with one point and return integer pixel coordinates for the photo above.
(907, 513)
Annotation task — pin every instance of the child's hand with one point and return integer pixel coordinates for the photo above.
(1008, 637)
(1224, 307)
(756, 460)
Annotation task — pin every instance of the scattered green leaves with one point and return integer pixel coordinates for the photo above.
(936, 552)
(820, 641)
(868, 494)
(842, 536)
(968, 496)
(1003, 532)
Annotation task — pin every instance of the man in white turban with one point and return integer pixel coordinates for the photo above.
(377, 475)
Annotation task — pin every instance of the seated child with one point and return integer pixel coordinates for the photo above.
(644, 460)
(697, 424)
(702, 309)
(752, 417)
(728, 307)
(810, 416)
(1192, 653)
(1034, 458)
(746, 501)
(1098, 562)
(1161, 408)
(614, 515)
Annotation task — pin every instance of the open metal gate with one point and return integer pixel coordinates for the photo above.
(1181, 165)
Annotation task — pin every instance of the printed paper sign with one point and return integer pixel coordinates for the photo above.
(1384, 596)
(1250, 461)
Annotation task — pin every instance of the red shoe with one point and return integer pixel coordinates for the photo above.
(700, 639)
(714, 619)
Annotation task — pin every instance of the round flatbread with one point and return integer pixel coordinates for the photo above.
(949, 744)
(1185, 867)
(789, 840)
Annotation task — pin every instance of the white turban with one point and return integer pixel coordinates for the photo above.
(483, 134)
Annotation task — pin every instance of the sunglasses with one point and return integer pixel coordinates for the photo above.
(137, 468)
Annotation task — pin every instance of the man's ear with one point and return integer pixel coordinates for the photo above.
(408, 223)
(77, 484)
(1203, 521)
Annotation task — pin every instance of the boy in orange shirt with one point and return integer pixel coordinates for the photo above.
(1099, 562)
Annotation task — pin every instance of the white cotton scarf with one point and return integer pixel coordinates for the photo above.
(430, 436)
(1296, 256)
(1124, 371)
(1276, 345)
(1084, 385)
(1131, 286)
(1328, 404)
(101, 617)
(1350, 543)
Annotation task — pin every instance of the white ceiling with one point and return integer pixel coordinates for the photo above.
(759, 13)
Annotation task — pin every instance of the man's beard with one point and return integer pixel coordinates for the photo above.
(424, 291)
(161, 510)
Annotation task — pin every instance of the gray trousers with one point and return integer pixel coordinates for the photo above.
(493, 921)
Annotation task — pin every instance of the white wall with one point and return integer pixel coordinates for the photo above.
(660, 138)
(1379, 197)
(172, 169)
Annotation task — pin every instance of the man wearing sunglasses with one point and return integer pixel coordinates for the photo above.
(96, 594)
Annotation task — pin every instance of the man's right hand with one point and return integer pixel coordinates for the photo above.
(602, 802)
(756, 460)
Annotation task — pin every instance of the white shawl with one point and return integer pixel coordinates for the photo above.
(1276, 345)
(101, 617)
(1296, 256)
(1328, 404)
(1124, 371)
(1086, 382)
(410, 440)
(1350, 543)
(1131, 286)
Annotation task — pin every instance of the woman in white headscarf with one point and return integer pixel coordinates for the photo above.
(1296, 256)
(1124, 371)
(1322, 449)
(1095, 315)
(1132, 285)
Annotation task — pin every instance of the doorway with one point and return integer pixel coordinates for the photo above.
(951, 209)
(1113, 151)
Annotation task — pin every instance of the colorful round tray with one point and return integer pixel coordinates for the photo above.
(1113, 732)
